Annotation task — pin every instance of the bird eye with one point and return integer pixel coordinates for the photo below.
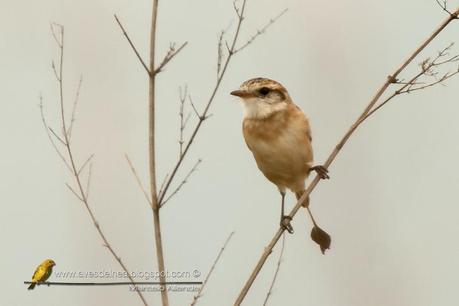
(264, 91)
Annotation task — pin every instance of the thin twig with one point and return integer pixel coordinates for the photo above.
(137, 178)
(88, 182)
(261, 31)
(199, 294)
(184, 181)
(426, 70)
(171, 53)
(279, 262)
(54, 70)
(160, 192)
(181, 114)
(220, 53)
(53, 144)
(444, 6)
(85, 163)
(74, 168)
(132, 45)
(75, 102)
(391, 79)
(57, 136)
(194, 108)
(53, 32)
(74, 192)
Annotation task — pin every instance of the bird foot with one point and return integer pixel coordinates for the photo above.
(285, 224)
(321, 171)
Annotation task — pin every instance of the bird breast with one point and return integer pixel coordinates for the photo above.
(281, 146)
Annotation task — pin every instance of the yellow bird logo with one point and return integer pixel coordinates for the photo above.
(42, 273)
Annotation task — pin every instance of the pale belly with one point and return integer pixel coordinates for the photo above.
(285, 160)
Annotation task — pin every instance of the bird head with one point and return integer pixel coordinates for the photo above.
(49, 263)
(262, 97)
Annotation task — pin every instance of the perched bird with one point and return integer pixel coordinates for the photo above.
(42, 273)
(279, 136)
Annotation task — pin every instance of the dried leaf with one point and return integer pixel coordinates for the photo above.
(321, 237)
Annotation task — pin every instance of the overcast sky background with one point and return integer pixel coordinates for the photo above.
(390, 207)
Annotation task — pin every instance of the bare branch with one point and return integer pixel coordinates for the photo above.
(80, 193)
(75, 102)
(169, 55)
(194, 108)
(391, 79)
(57, 39)
(162, 185)
(152, 156)
(261, 31)
(199, 294)
(181, 114)
(270, 291)
(54, 70)
(88, 182)
(184, 181)
(85, 163)
(132, 45)
(236, 10)
(57, 136)
(220, 53)
(47, 129)
(445, 77)
(137, 178)
(444, 6)
(427, 69)
(73, 191)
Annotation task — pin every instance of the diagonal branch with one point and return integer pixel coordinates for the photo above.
(132, 45)
(184, 181)
(169, 55)
(47, 129)
(427, 67)
(57, 136)
(85, 163)
(75, 102)
(199, 294)
(137, 178)
(279, 262)
(391, 79)
(261, 31)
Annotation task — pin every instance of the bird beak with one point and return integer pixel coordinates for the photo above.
(240, 93)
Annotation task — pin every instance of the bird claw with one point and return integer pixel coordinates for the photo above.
(321, 171)
(285, 224)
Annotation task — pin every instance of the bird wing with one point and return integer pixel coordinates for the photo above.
(39, 274)
(35, 274)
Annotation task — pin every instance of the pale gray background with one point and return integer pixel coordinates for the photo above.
(391, 205)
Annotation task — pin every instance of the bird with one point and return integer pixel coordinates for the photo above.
(42, 273)
(278, 134)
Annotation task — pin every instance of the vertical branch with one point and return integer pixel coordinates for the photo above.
(152, 158)
(76, 171)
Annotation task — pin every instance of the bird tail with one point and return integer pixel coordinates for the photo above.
(32, 285)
